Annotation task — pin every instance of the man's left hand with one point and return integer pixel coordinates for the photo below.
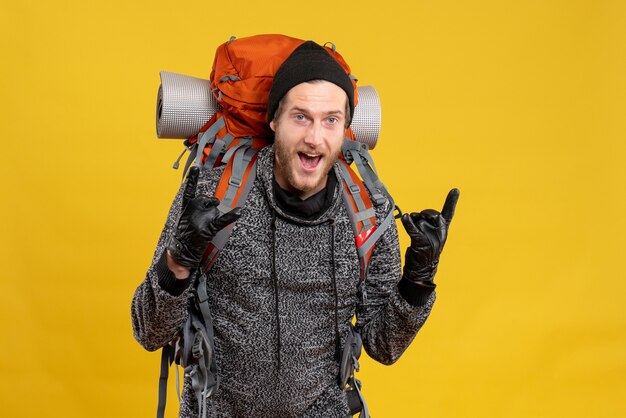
(428, 230)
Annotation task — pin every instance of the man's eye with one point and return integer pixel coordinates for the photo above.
(332, 120)
(299, 117)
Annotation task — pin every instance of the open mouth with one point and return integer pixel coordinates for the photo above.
(309, 161)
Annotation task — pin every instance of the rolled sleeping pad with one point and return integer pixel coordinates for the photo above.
(185, 104)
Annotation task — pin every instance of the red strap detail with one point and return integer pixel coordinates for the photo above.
(363, 236)
(206, 263)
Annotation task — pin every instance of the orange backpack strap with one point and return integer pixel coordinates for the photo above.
(232, 190)
(359, 205)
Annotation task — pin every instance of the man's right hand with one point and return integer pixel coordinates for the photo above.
(199, 222)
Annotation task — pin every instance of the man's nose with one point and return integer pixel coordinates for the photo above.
(314, 134)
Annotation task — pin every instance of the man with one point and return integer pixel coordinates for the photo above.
(285, 287)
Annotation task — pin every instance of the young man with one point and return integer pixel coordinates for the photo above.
(285, 287)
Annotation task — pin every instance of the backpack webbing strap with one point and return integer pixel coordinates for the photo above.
(349, 364)
(203, 369)
(203, 378)
(207, 137)
(203, 304)
(241, 161)
(196, 354)
(362, 217)
(167, 357)
(196, 150)
(190, 159)
(359, 205)
(364, 213)
(232, 190)
(369, 242)
(241, 142)
(358, 152)
(356, 384)
(187, 148)
(219, 146)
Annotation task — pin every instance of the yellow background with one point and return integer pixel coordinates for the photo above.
(519, 104)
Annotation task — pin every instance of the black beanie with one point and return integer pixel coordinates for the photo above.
(308, 62)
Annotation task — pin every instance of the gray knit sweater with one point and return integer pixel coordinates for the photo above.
(279, 291)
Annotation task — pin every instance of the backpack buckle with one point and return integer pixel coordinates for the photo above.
(234, 182)
(378, 199)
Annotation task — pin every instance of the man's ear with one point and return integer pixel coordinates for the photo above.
(272, 125)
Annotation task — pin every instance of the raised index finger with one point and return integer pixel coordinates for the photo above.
(190, 187)
(448, 207)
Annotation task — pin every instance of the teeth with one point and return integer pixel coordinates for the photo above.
(310, 161)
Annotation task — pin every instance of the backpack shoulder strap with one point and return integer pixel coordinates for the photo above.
(232, 190)
(167, 358)
(356, 195)
(197, 334)
(193, 349)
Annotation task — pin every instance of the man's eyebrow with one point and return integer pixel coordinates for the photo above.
(330, 112)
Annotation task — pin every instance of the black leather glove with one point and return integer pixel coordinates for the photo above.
(428, 230)
(199, 222)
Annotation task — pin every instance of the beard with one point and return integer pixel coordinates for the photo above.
(285, 161)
